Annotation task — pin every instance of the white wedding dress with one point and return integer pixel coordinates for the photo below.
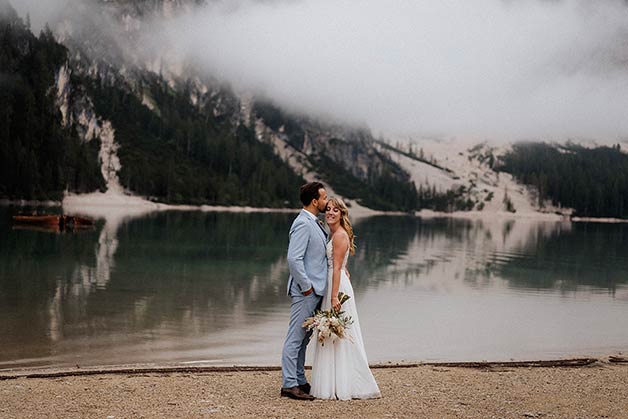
(340, 369)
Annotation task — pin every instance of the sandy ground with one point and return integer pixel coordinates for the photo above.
(599, 390)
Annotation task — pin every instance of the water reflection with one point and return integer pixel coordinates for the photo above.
(181, 286)
(527, 254)
(590, 255)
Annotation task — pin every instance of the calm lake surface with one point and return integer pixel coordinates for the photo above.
(210, 289)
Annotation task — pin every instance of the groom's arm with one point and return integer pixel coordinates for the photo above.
(299, 239)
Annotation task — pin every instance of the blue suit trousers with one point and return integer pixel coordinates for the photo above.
(293, 355)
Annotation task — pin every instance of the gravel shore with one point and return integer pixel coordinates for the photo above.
(599, 390)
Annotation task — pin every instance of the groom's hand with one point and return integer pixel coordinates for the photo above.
(308, 292)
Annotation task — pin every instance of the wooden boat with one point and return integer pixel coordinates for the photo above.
(38, 219)
(53, 222)
(43, 228)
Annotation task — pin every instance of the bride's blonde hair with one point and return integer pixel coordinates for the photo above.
(344, 221)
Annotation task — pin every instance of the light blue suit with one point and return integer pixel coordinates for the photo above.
(307, 261)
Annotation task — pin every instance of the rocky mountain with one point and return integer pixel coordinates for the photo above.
(130, 120)
(348, 158)
(169, 132)
(458, 176)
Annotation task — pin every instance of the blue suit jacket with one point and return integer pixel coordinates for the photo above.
(307, 256)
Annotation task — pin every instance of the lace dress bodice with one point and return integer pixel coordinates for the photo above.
(326, 305)
(330, 257)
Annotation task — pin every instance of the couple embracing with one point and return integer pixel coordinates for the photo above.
(317, 262)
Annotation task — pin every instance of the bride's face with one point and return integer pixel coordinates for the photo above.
(332, 215)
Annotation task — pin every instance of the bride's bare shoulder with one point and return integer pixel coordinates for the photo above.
(340, 238)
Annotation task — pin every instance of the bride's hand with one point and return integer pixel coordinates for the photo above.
(335, 303)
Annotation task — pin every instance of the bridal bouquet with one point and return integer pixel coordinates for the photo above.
(329, 324)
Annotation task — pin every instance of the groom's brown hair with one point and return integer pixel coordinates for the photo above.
(310, 191)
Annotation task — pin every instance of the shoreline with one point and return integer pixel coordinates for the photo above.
(130, 369)
(594, 391)
(101, 204)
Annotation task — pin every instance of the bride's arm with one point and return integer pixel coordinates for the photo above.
(340, 246)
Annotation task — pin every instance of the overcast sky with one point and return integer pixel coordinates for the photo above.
(481, 68)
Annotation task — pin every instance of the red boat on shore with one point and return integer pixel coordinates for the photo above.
(53, 223)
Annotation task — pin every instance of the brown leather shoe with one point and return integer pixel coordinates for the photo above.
(306, 388)
(295, 393)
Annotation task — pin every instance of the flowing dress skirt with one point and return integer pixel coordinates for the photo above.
(340, 369)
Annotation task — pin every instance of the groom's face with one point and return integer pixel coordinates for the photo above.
(321, 202)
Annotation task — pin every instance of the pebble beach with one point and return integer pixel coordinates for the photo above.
(596, 390)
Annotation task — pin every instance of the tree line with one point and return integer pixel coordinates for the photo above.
(39, 158)
(177, 153)
(592, 181)
(182, 153)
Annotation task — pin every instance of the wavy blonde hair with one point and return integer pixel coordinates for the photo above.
(344, 221)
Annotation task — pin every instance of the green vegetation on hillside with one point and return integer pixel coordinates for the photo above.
(177, 153)
(412, 154)
(381, 191)
(39, 158)
(592, 181)
(386, 188)
(180, 153)
(448, 201)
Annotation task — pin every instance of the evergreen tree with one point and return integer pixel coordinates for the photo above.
(39, 159)
(592, 181)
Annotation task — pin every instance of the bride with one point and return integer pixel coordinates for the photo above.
(340, 369)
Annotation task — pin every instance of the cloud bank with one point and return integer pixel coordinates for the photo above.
(509, 69)
(41, 11)
(493, 68)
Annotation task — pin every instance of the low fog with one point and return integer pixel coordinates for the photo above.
(485, 68)
(42, 11)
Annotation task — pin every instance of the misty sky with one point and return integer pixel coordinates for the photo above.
(481, 68)
(41, 11)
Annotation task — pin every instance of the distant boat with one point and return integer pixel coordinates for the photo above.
(52, 223)
(38, 219)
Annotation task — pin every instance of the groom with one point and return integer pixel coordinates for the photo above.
(307, 261)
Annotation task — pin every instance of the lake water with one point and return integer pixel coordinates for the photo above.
(199, 288)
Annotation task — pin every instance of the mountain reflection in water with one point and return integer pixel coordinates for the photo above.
(210, 287)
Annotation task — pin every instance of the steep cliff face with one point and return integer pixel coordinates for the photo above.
(105, 54)
(353, 148)
(347, 158)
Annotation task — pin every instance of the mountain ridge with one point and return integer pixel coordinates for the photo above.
(102, 83)
(162, 128)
